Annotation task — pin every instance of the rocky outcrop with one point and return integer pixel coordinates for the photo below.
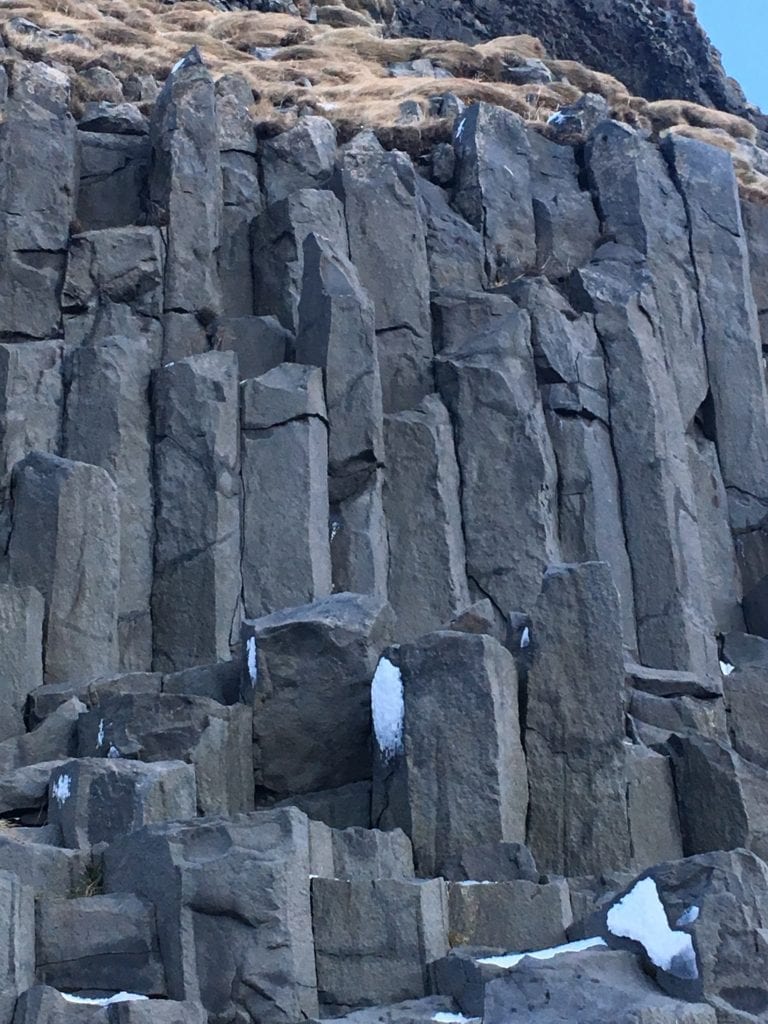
(380, 538)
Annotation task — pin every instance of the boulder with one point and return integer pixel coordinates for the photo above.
(307, 672)
(302, 157)
(54, 739)
(362, 853)
(26, 788)
(47, 869)
(94, 800)
(508, 915)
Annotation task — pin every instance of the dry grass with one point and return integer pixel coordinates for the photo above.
(341, 73)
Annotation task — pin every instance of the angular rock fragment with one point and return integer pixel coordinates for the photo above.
(362, 853)
(214, 739)
(53, 739)
(114, 171)
(65, 542)
(46, 869)
(243, 203)
(508, 915)
(233, 910)
(196, 589)
(374, 940)
(99, 942)
(22, 612)
(654, 825)
(302, 157)
(260, 343)
(455, 250)
(574, 724)
(308, 671)
(17, 941)
(446, 778)
(359, 539)
(94, 800)
(25, 788)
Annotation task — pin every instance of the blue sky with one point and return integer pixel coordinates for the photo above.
(739, 30)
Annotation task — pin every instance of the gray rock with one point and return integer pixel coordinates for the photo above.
(303, 157)
(22, 611)
(755, 220)
(745, 651)
(286, 557)
(567, 227)
(114, 285)
(447, 785)
(103, 84)
(308, 672)
(680, 714)
(234, 97)
(720, 797)
(17, 941)
(212, 738)
(508, 915)
(585, 987)
(46, 699)
(641, 209)
(26, 788)
(65, 543)
(374, 940)
(427, 581)
(673, 609)
(574, 123)
(185, 187)
(455, 251)
(114, 432)
(219, 682)
(224, 938)
(477, 617)
(259, 342)
(707, 181)
(463, 978)
(493, 188)
(493, 862)
(42, 1004)
(654, 825)
(114, 171)
(243, 203)
(342, 807)
(196, 590)
(95, 800)
(746, 702)
(47, 870)
(411, 1011)
(99, 942)
(359, 540)
(385, 229)
(55, 738)
(506, 462)
(574, 724)
(368, 854)
(278, 249)
(113, 119)
(669, 683)
(38, 144)
(157, 1011)
(724, 963)
(336, 333)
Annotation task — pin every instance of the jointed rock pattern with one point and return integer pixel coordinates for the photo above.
(277, 417)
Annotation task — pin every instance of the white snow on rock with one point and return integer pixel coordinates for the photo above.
(100, 735)
(118, 997)
(726, 667)
(454, 1018)
(688, 917)
(640, 915)
(388, 708)
(513, 959)
(62, 789)
(525, 639)
(253, 667)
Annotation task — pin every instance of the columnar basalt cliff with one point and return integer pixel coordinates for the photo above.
(384, 566)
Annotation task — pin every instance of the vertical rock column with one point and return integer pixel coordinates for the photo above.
(185, 189)
(577, 824)
(38, 180)
(450, 769)
(336, 333)
(108, 424)
(286, 552)
(196, 591)
(65, 542)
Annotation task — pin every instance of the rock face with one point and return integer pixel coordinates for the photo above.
(383, 545)
(657, 51)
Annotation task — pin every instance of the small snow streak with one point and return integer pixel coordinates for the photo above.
(253, 666)
(388, 708)
(62, 789)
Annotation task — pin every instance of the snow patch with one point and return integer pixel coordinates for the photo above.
(556, 118)
(726, 667)
(388, 708)
(460, 128)
(525, 638)
(253, 666)
(475, 883)
(62, 789)
(688, 917)
(118, 997)
(640, 915)
(100, 735)
(513, 959)
(454, 1018)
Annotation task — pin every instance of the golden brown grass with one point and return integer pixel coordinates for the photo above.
(341, 73)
